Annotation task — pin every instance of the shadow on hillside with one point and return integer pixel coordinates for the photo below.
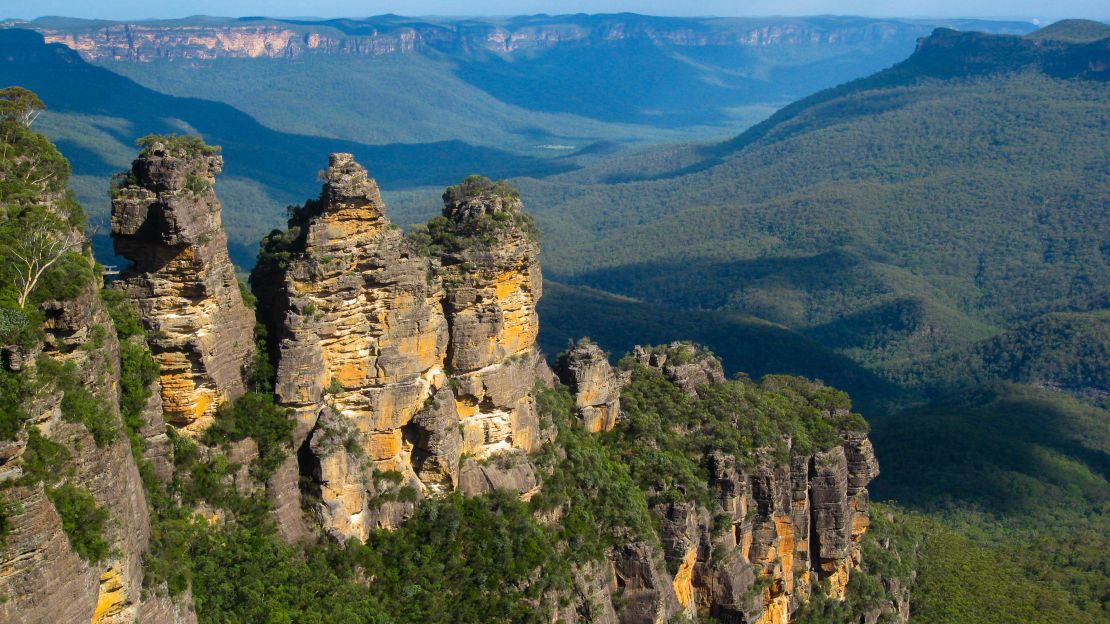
(848, 278)
(744, 343)
(1004, 449)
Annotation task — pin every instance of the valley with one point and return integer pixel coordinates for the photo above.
(913, 212)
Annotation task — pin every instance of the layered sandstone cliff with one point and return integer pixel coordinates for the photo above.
(492, 280)
(586, 371)
(398, 362)
(71, 444)
(778, 524)
(258, 38)
(166, 221)
(360, 340)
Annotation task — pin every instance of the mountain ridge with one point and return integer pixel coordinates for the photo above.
(388, 34)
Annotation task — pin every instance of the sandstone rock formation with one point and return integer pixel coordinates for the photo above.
(166, 220)
(358, 330)
(586, 371)
(399, 360)
(492, 281)
(42, 578)
(685, 364)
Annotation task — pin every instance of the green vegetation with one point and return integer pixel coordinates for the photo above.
(492, 558)
(465, 559)
(668, 440)
(452, 234)
(83, 521)
(15, 392)
(138, 370)
(44, 460)
(78, 404)
(178, 145)
(1065, 351)
(255, 415)
(474, 186)
(40, 222)
(951, 579)
(594, 487)
(1023, 473)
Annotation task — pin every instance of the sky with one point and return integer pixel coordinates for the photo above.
(140, 9)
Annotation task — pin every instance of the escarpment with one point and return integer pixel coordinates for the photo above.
(405, 373)
(75, 524)
(166, 221)
(210, 39)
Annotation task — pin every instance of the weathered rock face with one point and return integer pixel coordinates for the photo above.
(792, 524)
(508, 470)
(647, 591)
(776, 524)
(586, 371)
(367, 330)
(42, 578)
(685, 364)
(166, 220)
(356, 320)
(157, 448)
(492, 283)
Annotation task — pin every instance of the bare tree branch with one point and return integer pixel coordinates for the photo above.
(38, 248)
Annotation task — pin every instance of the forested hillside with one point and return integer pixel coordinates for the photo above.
(975, 195)
(942, 225)
(932, 239)
(422, 102)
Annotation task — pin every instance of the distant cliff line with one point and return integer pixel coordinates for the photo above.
(212, 38)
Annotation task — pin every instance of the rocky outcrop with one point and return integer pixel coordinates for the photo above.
(594, 584)
(403, 357)
(356, 315)
(586, 371)
(685, 364)
(508, 470)
(166, 221)
(359, 334)
(42, 578)
(646, 590)
(492, 281)
(793, 524)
